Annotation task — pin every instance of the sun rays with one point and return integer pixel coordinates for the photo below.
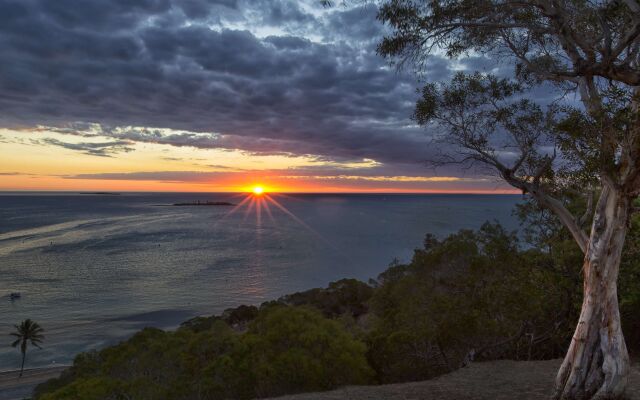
(270, 215)
(257, 202)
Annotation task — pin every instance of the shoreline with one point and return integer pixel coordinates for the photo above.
(12, 387)
(6, 372)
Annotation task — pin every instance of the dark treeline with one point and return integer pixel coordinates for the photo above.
(473, 296)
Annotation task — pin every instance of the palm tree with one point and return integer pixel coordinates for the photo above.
(27, 331)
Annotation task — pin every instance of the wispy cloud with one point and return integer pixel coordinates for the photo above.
(101, 149)
(333, 174)
(15, 173)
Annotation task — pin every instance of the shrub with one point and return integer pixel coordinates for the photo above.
(474, 293)
(346, 296)
(286, 350)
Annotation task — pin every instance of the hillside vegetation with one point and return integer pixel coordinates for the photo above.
(475, 295)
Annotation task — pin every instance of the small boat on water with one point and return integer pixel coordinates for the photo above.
(15, 296)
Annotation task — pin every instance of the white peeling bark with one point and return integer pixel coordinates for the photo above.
(597, 363)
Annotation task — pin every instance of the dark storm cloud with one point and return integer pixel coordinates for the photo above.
(281, 13)
(379, 145)
(355, 24)
(269, 77)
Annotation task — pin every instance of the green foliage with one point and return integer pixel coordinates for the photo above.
(346, 296)
(237, 318)
(629, 287)
(296, 349)
(240, 315)
(523, 33)
(286, 350)
(473, 292)
(464, 92)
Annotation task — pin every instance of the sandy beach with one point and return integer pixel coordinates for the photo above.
(13, 387)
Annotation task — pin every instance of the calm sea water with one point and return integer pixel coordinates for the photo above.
(92, 269)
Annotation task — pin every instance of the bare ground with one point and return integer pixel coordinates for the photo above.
(494, 380)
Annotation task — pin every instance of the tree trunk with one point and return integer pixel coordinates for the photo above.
(24, 356)
(597, 363)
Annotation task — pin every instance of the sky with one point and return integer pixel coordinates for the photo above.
(213, 95)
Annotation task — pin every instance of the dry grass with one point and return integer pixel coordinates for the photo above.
(495, 380)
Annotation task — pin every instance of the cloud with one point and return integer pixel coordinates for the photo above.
(279, 77)
(102, 149)
(14, 173)
(159, 176)
(273, 77)
(390, 178)
(373, 178)
(371, 172)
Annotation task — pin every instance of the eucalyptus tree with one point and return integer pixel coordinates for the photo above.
(27, 332)
(578, 49)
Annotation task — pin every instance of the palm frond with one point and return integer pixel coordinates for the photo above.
(28, 330)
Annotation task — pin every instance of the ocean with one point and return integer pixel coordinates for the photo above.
(94, 268)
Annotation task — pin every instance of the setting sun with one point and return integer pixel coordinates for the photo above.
(258, 190)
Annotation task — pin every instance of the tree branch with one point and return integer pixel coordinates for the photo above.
(564, 215)
(585, 217)
(535, 189)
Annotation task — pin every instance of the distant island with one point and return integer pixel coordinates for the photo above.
(205, 203)
(102, 193)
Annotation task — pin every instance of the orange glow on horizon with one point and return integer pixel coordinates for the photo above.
(229, 184)
(162, 168)
(56, 183)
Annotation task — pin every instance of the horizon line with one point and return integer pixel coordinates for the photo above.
(89, 191)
